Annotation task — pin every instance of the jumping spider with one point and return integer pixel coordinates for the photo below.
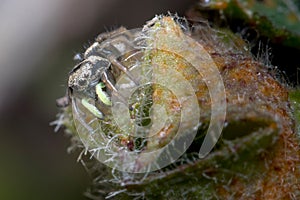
(93, 78)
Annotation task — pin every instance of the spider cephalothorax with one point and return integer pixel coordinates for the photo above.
(94, 77)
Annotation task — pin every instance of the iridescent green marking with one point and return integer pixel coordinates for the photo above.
(92, 108)
(103, 96)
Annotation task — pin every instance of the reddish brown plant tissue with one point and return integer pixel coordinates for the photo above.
(250, 87)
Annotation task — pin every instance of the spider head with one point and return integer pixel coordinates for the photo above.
(86, 75)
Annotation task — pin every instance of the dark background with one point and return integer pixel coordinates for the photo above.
(38, 39)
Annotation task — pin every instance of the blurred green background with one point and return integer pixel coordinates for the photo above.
(38, 41)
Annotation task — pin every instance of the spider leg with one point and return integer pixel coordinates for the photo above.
(78, 114)
(117, 47)
(103, 36)
(123, 69)
(107, 82)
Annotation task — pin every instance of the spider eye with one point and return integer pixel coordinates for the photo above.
(82, 83)
(80, 78)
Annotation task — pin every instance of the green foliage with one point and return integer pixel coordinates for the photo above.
(278, 20)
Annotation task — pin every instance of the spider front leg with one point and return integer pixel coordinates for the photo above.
(110, 86)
